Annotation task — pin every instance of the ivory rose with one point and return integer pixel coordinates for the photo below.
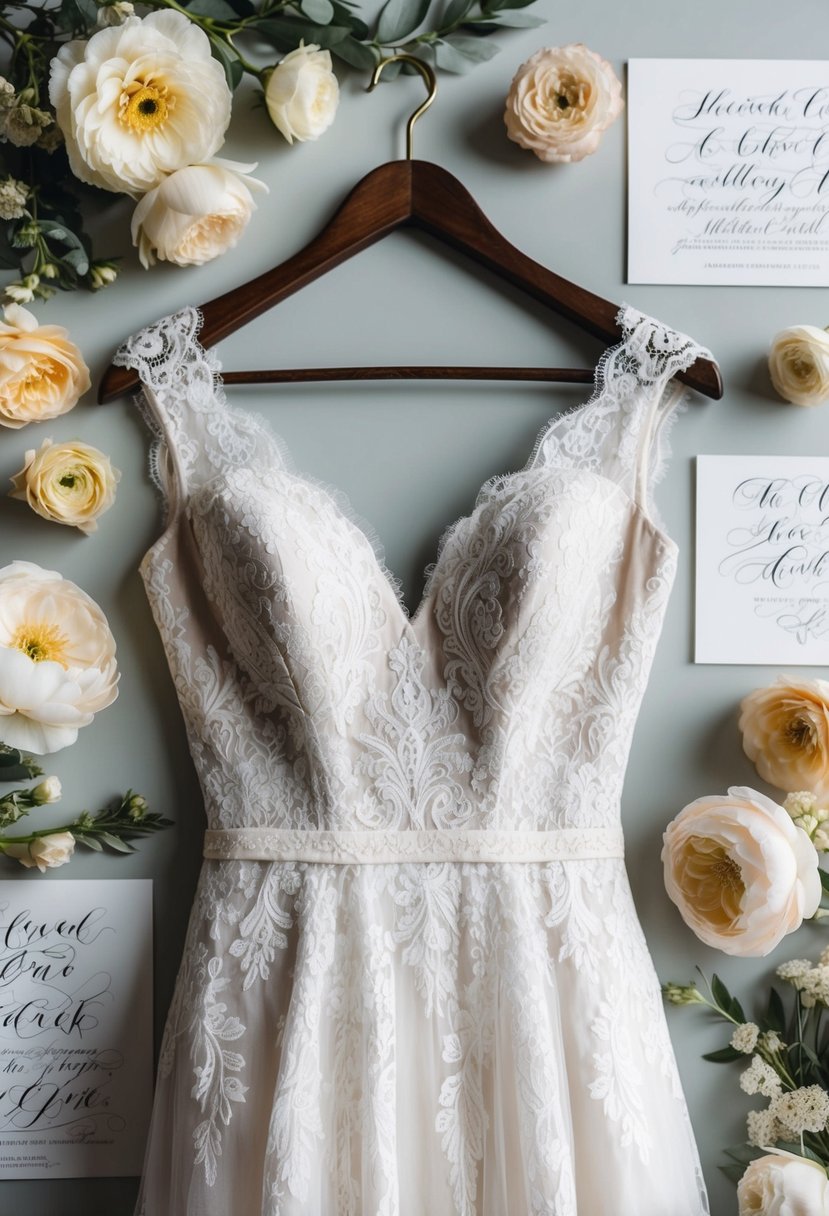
(45, 852)
(799, 364)
(57, 659)
(42, 373)
(68, 483)
(781, 1184)
(196, 214)
(139, 100)
(302, 94)
(561, 101)
(740, 871)
(785, 730)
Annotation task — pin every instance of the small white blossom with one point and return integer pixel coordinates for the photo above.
(114, 14)
(802, 802)
(802, 1110)
(760, 1078)
(771, 1041)
(13, 196)
(763, 1129)
(745, 1037)
(23, 292)
(794, 969)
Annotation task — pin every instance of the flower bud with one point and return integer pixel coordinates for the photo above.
(46, 792)
(682, 994)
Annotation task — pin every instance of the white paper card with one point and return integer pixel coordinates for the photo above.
(75, 1027)
(762, 592)
(728, 171)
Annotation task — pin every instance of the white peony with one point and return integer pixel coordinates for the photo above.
(45, 852)
(195, 214)
(57, 659)
(781, 1184)
(740, 871)
(139, 100)
(799, 364)
(302, 94)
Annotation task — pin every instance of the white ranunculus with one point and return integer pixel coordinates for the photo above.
(68, 483)
(780, 1184)
(740, 871)
(302, 94)
(57, 659)
(561, 101)
(196, 214)
(139, 100)
(799, 364)
(45, 852)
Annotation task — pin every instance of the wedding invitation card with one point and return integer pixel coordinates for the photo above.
(75, 1027)
(728, 171)
(762, 593)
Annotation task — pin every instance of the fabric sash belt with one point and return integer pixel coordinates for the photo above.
(380, 847)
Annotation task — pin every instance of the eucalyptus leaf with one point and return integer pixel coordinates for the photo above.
(456, 10)
(344, 16)
(320, 11)
(472, 48)
(286, 32)
(89, 841)
(450, 59)
(517, 20)
(217, 10)
(497, 6)
(114, 842)
(355, 53)
(399, 18)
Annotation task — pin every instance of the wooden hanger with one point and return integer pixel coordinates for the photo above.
(417, 194)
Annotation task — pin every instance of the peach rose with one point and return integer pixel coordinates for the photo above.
(785, 730)
(561, 101)
(42, 373)
(67, 483)
(740, 871)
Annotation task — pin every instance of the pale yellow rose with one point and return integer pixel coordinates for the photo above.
(57, 659)
(45, 852)
(196, 214)
(781, 1184)
(561, 101)
(67, 483)
(799, 364)
(139, 100)
(785, 731)
(42, 373)
(740, 871)
(302, 94)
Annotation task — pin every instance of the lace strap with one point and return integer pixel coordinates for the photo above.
(620, 431)
(198, 434)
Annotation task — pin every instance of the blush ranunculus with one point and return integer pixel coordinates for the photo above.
(740, 872)
(42, 373)
(785, 729)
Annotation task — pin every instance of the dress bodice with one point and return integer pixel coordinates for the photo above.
(313, 700)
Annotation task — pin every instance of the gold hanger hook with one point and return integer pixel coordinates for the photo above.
(429, 79)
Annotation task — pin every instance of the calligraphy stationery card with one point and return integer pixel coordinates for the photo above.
(75, 1027)
(728, 171)
(762, 560)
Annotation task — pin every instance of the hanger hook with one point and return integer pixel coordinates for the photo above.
(429, 79)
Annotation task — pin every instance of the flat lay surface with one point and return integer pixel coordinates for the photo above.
(411, 458)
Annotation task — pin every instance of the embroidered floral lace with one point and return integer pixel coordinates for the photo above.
(414, 982)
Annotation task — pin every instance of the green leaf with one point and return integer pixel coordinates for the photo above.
(355, 53)
(399, 18)
(115, 842)
(775, 1018)
(472, 49)
(824, 879)
(217, 10)
(320, 11)
(90, 842)
(724, 1056)
(455, 11)
(497, 6)
(285, 33)
(76, 15)
(732, 1172)
(728, 1003)
(232, 67)
(344, 16)
(10, 757)
(517, 21)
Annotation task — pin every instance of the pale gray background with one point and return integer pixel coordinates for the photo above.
(412, 457)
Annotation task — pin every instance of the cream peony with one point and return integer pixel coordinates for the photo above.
(785, 731)
(57, 659)
(781, 1184)
(740, 872)
(45, 852)
(302, 94)
(42, 373)
(139, 100)
(799, 364)
(195, 214)
(561, 101)
(67, 483)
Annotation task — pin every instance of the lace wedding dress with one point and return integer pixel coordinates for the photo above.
(414, 982)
